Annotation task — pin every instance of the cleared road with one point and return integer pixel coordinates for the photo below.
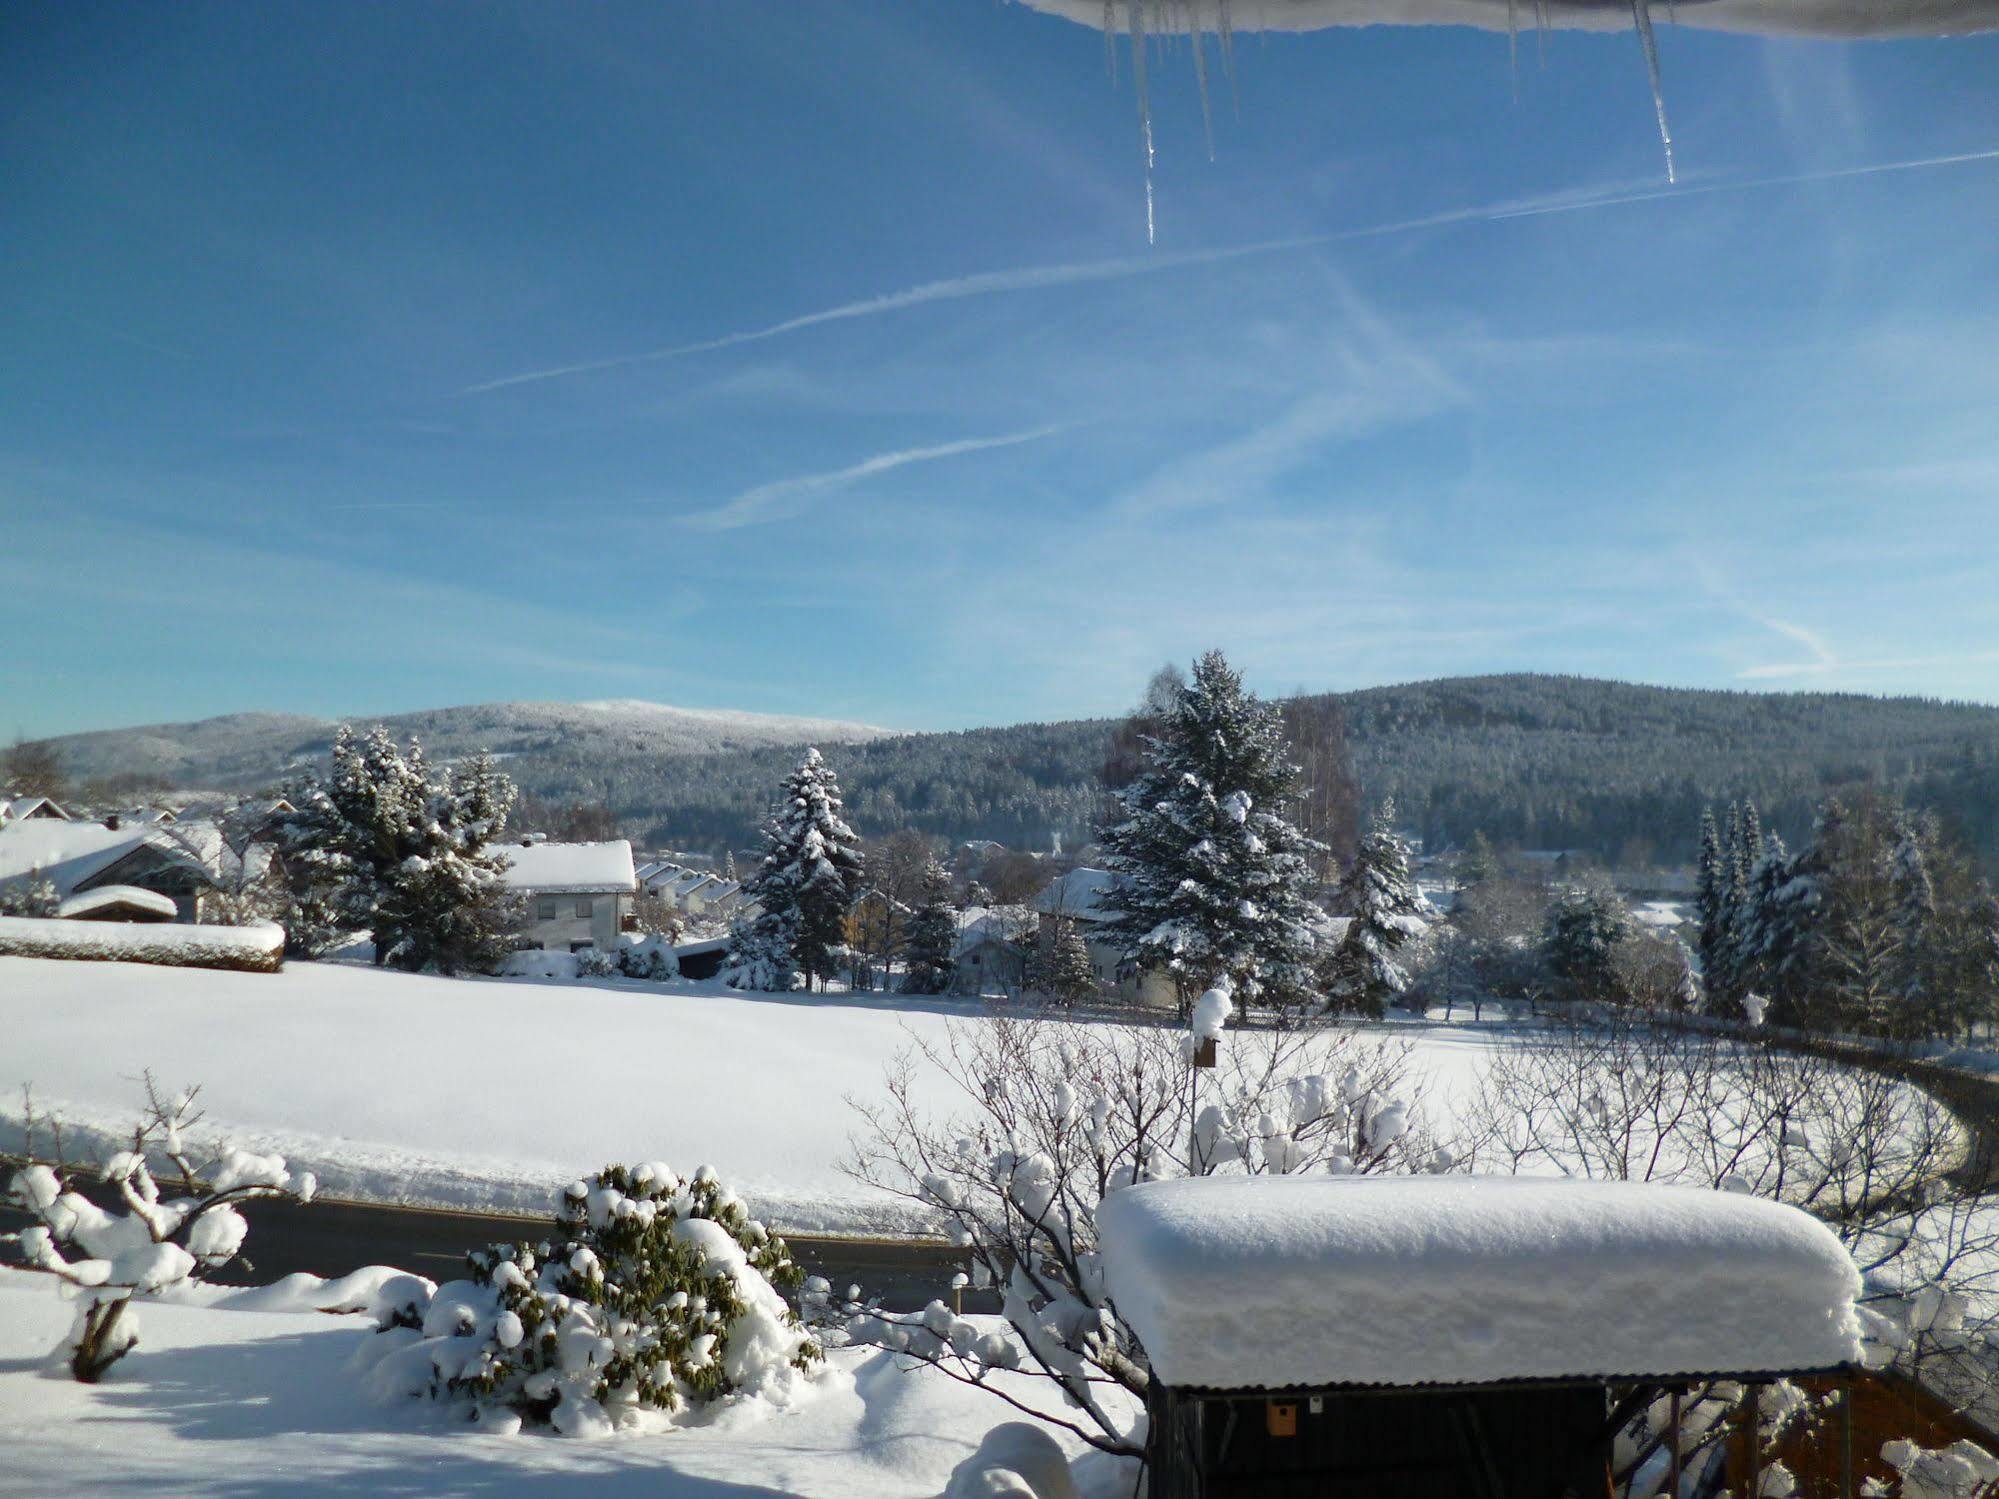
(332, 1237)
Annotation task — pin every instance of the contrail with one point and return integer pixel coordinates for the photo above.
(1033, 278)
(753, 505)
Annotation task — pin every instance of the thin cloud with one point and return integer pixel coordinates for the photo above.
(768, 501)
(1035, 278)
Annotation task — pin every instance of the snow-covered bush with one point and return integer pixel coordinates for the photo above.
(1962, 1470)
(1057, 1115)
(32, 894)
(651, 958)
(149, 1241)
(595, 963)
(657, 1292)
(1015, 1461)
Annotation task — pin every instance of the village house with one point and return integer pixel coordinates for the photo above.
(78, 857)
(992, 950)
(577, 895)
(1079, 897)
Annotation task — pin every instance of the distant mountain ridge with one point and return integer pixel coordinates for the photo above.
(1532, 760)
(242, 751)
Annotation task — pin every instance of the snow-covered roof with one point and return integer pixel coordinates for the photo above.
(570, 868)
(1279, 1282)
(66, 853)
(1079, 893)
(119, 896)
(1010, 925)
(22, 807)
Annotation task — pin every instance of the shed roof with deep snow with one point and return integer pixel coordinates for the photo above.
(1281, 1282)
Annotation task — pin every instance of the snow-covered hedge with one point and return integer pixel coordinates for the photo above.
(659, 1292)
(253, 949)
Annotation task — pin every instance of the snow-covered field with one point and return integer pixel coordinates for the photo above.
(235, 1403)
(489, 1092)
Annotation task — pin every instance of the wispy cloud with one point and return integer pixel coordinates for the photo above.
(781, 497)
(1037, 278)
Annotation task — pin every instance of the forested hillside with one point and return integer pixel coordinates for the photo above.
(1536, 761)
(1542, 762)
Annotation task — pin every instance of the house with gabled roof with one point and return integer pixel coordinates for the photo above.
(577, 894)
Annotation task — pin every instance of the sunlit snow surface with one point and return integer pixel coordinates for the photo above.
(494, 1093)
(224, 1404)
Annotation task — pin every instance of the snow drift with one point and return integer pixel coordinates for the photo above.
(1276, 1282)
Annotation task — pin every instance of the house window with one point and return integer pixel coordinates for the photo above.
(546, 908)
(583, 908)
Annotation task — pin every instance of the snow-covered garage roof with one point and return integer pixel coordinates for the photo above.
(1079, 893)
(1280, 1282)
(570, 868)
(1785, 17)
(143, 904)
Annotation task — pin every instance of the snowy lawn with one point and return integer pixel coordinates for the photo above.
(229, 1403)
(492, 1093)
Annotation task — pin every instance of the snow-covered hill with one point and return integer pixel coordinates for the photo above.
(244, 750)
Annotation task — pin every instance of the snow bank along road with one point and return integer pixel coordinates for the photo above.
(489, 1094)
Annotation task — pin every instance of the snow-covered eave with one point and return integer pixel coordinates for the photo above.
(1545, 1382)
(1806, 18)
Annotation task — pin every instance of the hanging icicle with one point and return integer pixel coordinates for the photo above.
(1513, 45)
(1201, 74)
(1136, 9)
(1641, 13)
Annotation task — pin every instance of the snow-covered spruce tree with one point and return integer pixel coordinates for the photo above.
(1478, 863)
(931, 948)
(810, 874)
(407, 852)
(1711, 902)
(1215, 880)
(655, 1292)
(149, 1241)
(1054, 1116)
(1060, 967)
(1379, 899)
(1585, 926)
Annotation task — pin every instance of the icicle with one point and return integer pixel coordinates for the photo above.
(1513, 45)
(1541, 32)
(1641, 12)
(1201, 74)
(1110, 39)
(1137, 11)
(1227, 27)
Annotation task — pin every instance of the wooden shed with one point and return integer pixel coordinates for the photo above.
(1451, 1337)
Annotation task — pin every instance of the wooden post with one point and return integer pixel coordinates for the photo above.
(1673, 1440)
(1753, 1488)
(1846, 1438)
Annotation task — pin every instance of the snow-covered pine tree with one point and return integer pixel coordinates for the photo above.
(1915, 920)
(1585, 926)
(1215, 880)
(1059, 967)
(810, 873)
(1759, 933)
(930, 951)
(1379, 900)
(448, 902)
(1711, 903)
(1478, 863)
(382, 844)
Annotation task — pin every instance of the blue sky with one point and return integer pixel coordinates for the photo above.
(812, 358)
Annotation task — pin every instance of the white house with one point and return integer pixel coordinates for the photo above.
(1079, 897)
(577, 894)
(21, 808)
(992, 948)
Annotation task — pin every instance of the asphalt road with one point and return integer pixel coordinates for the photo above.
(331, 1237)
